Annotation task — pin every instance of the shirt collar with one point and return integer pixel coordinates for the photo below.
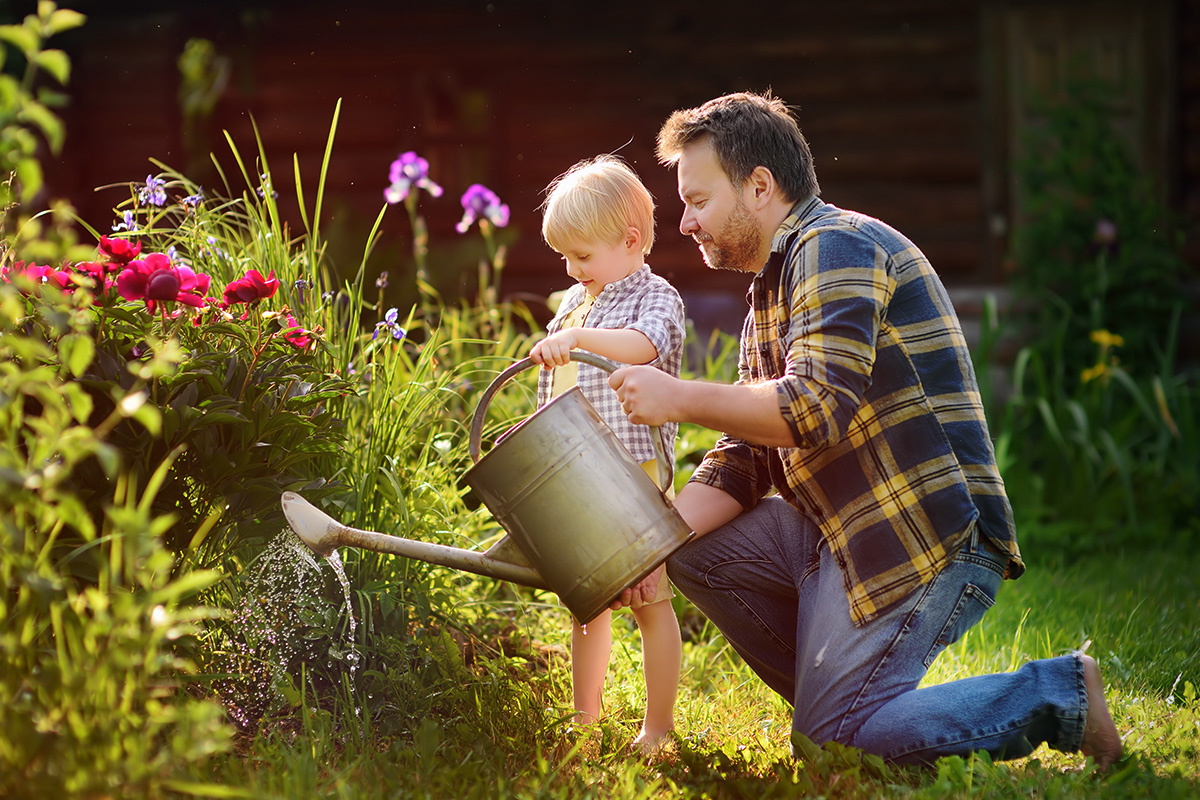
(801, 213)
(640, 275)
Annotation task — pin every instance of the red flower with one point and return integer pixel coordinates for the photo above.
(155, 280)
(102, 281)
(38, 274)
(299, 337)
(119, 251)
(253, 286)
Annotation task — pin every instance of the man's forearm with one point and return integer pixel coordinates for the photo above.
(745, 411)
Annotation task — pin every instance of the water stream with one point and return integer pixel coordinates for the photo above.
(286, 624)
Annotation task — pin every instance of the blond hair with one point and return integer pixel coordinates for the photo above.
(596, 201)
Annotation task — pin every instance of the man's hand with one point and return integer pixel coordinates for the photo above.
(641, 593)
(555, 349)
(646, 394)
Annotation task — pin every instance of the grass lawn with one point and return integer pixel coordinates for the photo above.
(489, 717)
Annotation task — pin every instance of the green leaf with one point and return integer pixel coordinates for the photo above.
(150, 417)
(109, 458)
(77, 351)
(51, 126)
(217, 417)
(56, 63)
(10, 90)
(20, 37)
(80, 401)
(185, 585)
(213, 790)
(64, 19)
(29, 175)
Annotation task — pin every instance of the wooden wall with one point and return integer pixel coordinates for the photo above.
(510, 94)
(1189, 129)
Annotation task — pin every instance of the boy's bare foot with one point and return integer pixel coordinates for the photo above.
(648, 742)
(1101, 740)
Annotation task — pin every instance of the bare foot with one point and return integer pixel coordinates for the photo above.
(1101, 740)
(647, 742)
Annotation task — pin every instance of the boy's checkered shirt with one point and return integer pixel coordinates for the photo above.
(643, 302)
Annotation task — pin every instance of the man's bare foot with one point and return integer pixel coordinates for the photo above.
(1101, 740)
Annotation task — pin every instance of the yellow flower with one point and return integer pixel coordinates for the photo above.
(1092, 373)
(1105, 339)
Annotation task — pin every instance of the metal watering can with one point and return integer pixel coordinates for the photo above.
(584, 520)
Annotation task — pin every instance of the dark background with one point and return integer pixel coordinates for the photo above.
(914, 109)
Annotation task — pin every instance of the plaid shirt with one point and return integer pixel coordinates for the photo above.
(892, 459)
(642, 302)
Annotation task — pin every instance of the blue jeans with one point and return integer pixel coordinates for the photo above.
(768, 582)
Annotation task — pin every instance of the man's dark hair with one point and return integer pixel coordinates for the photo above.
(746, 130)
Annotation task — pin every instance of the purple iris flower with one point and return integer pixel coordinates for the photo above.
(128, 223)
(479, 202)
(391, 323)
(154, 192)
(407, 171)
(193, 201)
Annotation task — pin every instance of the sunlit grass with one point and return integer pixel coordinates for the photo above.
(494, 721)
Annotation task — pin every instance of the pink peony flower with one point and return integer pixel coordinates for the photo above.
(119, 251)
(155, 280)
(39, 274)
(252, 286)
(298, 337)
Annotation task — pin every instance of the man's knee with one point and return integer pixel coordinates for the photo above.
(681, 571)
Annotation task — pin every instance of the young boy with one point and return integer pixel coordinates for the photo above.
(600, 218)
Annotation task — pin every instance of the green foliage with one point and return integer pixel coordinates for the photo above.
(1098, 442)
(717, 363)
(1094, 249)
(26, 118)
(91, 605)
(1110, 462)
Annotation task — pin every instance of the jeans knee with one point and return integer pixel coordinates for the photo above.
(815, 728)
(681, 573)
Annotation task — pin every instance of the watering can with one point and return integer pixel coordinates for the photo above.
(583, 519)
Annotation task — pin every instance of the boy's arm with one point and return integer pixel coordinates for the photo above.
(619, 344)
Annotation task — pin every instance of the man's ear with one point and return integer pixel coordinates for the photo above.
(762, 186)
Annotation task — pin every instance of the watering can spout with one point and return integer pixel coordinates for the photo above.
(323, 534)
(315, 528)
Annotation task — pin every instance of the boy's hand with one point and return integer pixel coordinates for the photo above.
(641, 593)
(555, 349)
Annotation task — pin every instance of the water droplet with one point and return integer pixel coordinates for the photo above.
(282, 604)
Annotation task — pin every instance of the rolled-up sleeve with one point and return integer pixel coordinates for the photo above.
(839, 294)
(738, 468)
(659, 317)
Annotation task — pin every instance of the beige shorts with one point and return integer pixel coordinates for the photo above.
(665, 592)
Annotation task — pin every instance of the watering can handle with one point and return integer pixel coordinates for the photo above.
(664, 467)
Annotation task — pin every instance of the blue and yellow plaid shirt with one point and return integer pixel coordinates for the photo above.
(892, 459)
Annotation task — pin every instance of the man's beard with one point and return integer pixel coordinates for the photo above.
(738, 244)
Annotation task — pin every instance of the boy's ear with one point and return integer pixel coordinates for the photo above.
(633, 239)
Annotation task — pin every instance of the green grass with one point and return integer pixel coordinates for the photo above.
(482, 711)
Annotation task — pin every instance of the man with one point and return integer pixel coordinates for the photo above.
(888, 531)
